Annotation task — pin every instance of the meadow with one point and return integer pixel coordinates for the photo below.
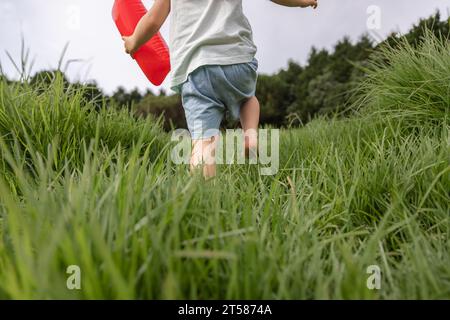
(97, 189)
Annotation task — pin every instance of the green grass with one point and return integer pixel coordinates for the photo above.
(97, 190)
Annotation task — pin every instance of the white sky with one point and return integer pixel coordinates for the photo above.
(280, 33)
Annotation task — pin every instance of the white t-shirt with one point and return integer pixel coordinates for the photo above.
(207, 32)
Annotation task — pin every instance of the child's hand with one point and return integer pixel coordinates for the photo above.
(130, 45)
(148, 26)
(309, 3)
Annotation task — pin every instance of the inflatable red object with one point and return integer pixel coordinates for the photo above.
(153, 57)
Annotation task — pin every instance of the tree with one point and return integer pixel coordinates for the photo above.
(127, 99)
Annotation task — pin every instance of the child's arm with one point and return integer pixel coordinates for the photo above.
(148, 26)
(297, 3)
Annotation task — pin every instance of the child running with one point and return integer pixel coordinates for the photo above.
(213, 67)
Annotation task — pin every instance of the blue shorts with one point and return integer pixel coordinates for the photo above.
(211, 90)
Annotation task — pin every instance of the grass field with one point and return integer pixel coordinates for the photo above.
(97, 190)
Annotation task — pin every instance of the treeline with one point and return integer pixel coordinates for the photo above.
(293, 96)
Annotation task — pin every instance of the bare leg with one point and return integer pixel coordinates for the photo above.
(250, 112)
(203, 156)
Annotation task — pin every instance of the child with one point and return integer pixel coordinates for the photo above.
(213, 67)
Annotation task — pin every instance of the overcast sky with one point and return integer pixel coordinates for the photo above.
(280, 33)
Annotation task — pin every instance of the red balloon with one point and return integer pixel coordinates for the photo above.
(153, 57)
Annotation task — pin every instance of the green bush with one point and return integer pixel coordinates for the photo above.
(416, 86)
(167, 107)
